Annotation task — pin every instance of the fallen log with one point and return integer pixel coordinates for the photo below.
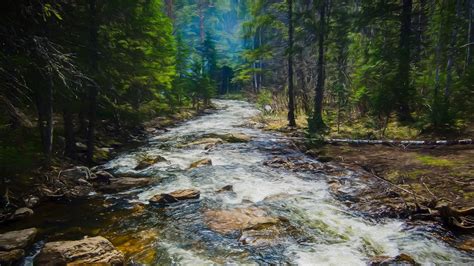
(401, 142)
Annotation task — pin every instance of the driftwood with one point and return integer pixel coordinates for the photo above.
(457, 218)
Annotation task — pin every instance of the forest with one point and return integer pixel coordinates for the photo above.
(165, 120)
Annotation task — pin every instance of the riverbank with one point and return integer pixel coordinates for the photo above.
(27, 189)
(421, 184)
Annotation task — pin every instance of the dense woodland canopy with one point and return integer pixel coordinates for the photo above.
(74, 68)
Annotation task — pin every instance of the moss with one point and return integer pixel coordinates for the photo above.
(433, 161)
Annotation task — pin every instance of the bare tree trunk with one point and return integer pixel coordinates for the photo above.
(291, 93)
(93, 89)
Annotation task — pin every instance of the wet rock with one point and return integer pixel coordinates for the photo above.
(74, 174)
(200, 163)
(228, 188)
(91, 250)
(467, 245)
(81, 146)
(402, 259)
(22, 213)
(236, 138)
(228, 221)
(17, 239)
(11, 257)
(207, 141)
(179, 195)
(123, 183)
(147, 162)
(103, 176)
(31, 201)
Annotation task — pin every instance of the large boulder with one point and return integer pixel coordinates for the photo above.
(207, 141)
(93, 250)
(178, 195)
(200, 163)
(253, 225)
(11, 257)
(123, 183)
(17, 239)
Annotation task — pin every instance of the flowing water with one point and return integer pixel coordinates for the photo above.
(319, 230)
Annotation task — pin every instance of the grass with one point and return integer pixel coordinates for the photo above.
(433, 161)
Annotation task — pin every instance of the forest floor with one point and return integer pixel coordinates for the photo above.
(17, 186)
(394, 181)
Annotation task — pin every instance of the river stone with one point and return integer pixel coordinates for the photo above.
(31, 201)
(200, 163)
(93, 250)
(178, 195)
(228, 188)
(22, 213)
(207, 141)
(147, 162)
(402, 259)
(74, 174)
(236, 137)
(228, 221)
(17, 239)
(123, 183)
(12, 256)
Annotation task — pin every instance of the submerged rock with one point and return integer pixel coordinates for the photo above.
(178, 195)
(123, 183)
(17, 239)
(139, 246)
(200, 163)
(402, 259)
(91, 250)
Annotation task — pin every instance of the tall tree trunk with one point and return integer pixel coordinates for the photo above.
(470, 39)
(317, 123)
(451, 53)
(170, 9)
(46, 120)
(403, 90)
(70, 140)
(93, 89)
(201, 6)
(291, 93)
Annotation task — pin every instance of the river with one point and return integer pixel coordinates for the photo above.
(323, 230)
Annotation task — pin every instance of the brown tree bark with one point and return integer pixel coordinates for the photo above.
(93, 88)
(403, 88)
(317, 123)
(291, 93)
